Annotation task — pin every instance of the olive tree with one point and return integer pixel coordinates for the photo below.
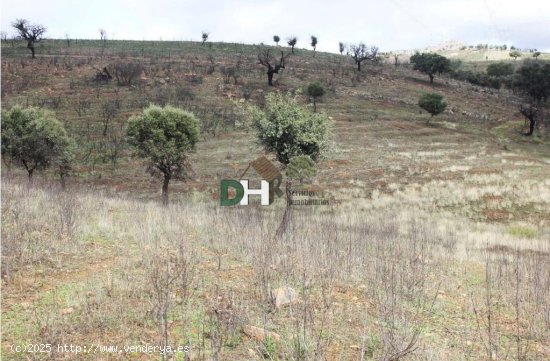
(289, 129)
(315, 91)
(31, 33)
(341, 48)
(165, 136)
(204, 36)
(276, 39)
(432, 103)
(360, 52)
(430, 64)
(515, 54)
(292, 43)
(36, 139)
(532, 80)
(273, 65)
(314, 42)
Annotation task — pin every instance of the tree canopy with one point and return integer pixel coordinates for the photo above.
(35, 138)
(360, 52)
(289, 130)
(532, 80)
(315, 90)
(300, 168)
(164, 136)
(500, 69)
(31, 33)
(292, 41)
(432, 103)
(430, 64)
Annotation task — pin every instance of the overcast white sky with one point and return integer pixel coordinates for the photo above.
(389, 24)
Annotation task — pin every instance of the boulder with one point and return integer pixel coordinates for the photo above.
(284, 296)
(260, 334)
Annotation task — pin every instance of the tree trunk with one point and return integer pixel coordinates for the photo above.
(358, 66)
(314, 105)
(292, 49)
(63, 182)
(430, 118)
(270, 78)
(30, 45)
(431, 78)
(105, 127)
(165, 199)
(31, 172)
(532, 123)
(288, 209)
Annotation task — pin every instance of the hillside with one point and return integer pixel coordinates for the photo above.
(433, 235)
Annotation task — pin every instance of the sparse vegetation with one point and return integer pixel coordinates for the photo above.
(418, 242)
(126, 73)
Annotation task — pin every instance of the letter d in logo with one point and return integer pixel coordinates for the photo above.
(224, 192)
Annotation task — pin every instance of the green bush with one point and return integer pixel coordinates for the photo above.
(432, 103)
(500, 69)
(288, 129)
(316, 91)
(301, 167)
(35, 139)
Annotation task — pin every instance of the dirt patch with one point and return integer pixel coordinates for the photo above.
(496, 215)
(502, 249)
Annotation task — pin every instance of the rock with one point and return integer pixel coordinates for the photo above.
(284, 296)
(355, 347)
(25, 305)
(242, 100)
(260, 334)
(66, 311)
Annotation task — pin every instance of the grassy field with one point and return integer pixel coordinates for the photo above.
(435, 244)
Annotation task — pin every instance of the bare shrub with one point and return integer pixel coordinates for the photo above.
(126, 73)
(170, 273)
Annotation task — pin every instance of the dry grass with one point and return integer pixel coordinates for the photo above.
(369, 282)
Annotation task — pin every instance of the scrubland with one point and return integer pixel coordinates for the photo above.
(435, 244)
